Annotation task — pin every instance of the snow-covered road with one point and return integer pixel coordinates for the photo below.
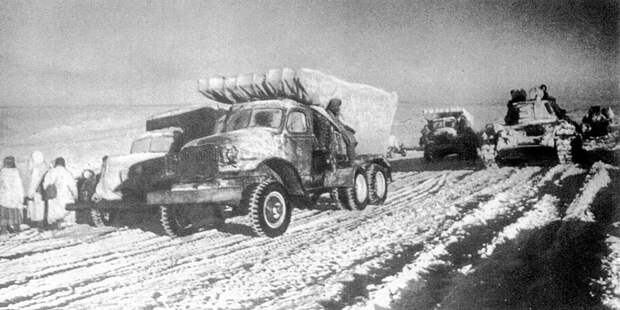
(327, 259)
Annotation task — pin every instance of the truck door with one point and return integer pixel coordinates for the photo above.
(298, 143)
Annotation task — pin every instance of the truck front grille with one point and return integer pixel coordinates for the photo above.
(197, 163)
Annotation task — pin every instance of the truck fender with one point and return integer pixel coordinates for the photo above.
(285, 173)
(340, 177)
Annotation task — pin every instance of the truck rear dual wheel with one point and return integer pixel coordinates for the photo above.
(356, 197)
(377, 184)
(269, 208)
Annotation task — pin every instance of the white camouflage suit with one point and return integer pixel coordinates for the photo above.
(66, 192)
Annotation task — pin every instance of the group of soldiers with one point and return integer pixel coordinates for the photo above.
(41, 202)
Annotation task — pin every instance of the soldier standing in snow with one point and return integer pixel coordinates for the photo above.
(66, 190)
(36, 204)
(11, 197)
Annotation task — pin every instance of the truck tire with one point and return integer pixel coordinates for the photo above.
(488, 155)
(428, 155)
(175, 221)
(101, 218)
(377, 185)
(269, 209)
(356, 197)
(335, 195)
(564, 149)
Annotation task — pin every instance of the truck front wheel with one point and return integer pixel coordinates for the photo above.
(269, 209)
(101, 218)
(175, 221)
(488, 155)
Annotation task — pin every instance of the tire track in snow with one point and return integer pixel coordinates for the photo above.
(192, 264)
(279, 245)
(541, 254)
(435, 253)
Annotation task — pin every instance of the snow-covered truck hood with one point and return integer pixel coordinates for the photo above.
(115, 173)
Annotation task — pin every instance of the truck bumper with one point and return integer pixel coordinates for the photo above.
(208, 195)
(107, 205)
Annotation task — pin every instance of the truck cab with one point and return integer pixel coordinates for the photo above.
(448, 131)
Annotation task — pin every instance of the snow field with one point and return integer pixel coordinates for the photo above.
(611, 263)
(328, 258)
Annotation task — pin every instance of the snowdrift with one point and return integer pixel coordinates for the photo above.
(369, 110)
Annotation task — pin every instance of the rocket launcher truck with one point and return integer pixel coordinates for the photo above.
(277, 148)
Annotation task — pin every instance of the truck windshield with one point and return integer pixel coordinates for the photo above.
(443, 122)
(159, 144)
(245, 118)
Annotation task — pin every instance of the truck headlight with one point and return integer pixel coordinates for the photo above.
(229, 155)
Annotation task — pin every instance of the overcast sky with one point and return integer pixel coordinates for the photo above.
(146, 52)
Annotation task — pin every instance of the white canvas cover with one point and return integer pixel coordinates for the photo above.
(369, 110)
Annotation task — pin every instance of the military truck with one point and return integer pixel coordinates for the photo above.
(539, 124)
(274, 150)
(448, 131)
(124, 180)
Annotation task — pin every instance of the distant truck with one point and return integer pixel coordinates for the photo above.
(448, 131)
(275, 149)
(124, 180)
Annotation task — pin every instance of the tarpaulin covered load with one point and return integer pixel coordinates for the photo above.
(369, 110)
